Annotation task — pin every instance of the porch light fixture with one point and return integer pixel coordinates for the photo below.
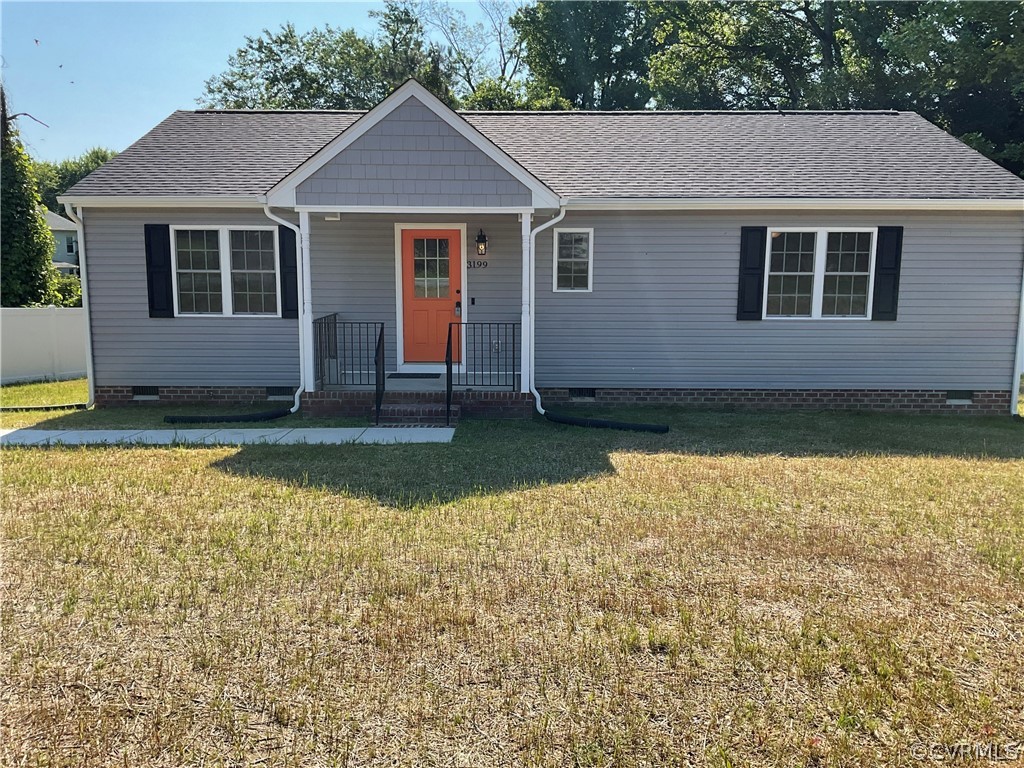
(481, 244)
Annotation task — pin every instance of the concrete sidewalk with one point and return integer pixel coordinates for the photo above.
(311, 436)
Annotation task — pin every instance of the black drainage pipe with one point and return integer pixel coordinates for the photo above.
(604, 423)
(245, 417)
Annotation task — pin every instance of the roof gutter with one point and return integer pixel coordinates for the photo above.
(786, 204)
(300, 262)
(533, 306)
(78, 219)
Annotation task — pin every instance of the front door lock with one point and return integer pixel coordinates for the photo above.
(458, 309)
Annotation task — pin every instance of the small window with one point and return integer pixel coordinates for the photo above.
(197, 260)
(253, 273)
(819, 273)
(71, 246)
(791, 274)
(574, 260)
(226, 271)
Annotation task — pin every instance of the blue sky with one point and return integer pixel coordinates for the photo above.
(102, 74)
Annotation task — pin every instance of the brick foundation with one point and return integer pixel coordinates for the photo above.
(990, 403)
(504, 404)
(121, 396)
(486, 405)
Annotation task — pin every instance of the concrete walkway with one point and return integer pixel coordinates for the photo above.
(311, 436)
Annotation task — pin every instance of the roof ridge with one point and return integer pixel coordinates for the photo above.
(568, 112)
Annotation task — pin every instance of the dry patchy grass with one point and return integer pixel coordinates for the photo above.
(748, 590)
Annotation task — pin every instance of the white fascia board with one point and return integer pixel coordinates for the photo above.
(410, 210)
(282, 194)
(788, 204)
(161, 201)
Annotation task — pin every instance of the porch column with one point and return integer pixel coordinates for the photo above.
(306, 317)
(525, 348)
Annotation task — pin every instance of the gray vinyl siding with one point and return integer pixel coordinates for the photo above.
(131, 348)
(353, 267)
(413, 158)
(663, 308)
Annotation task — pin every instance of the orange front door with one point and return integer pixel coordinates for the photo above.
(431, 291)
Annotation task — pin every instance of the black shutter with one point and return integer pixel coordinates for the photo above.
(158, 270)
(753, 241)
(289, 273)
(888, 255)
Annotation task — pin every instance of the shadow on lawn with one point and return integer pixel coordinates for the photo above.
(491, 457)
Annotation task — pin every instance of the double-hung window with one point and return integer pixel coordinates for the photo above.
(819, 272)
(226, 271)
(573, 260)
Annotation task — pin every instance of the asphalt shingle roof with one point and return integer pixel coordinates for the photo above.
(588, 154)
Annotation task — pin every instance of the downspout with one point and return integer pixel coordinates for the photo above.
(78, 219)
(297, 400)
(533, 306)
(1018, 358)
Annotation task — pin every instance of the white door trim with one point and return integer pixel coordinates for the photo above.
(404, 367)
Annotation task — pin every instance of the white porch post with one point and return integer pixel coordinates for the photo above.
(524, 346)
(306, 317)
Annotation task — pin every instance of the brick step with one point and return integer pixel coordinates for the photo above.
(417, 413)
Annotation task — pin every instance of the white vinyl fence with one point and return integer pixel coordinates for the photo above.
(42, 343)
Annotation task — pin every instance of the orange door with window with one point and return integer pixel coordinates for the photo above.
(431, 292)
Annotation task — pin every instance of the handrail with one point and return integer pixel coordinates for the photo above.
(378, 362)
(346, 352)
(448, 378)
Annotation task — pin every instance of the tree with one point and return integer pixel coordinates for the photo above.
(26, 243)
(55, 179)
(515, 95)
(331, 68)
(595, 54)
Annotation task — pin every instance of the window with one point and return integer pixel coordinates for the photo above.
(819, 273)
(574, 260)
(430, 265)
(226, 271)
(71, 245)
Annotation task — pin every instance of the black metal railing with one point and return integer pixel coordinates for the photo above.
(378, 369)
(481, 355)
(348, 354)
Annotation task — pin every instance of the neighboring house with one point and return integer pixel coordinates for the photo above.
(65, 235)
(819, 259)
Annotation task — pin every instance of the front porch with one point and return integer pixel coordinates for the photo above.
(480, 374)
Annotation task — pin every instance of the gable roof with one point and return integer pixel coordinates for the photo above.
(59, 223)
(586, 155)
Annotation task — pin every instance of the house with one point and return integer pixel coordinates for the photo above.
(798, 259)
(65, 235)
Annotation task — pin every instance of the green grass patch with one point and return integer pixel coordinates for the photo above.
(44, 393)
(749, 589)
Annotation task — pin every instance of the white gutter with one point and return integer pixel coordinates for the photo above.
(83, 278)
(786, 204)
(533, 306)
(1018, 359)
(297, 400)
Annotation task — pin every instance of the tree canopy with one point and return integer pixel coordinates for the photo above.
(26, 243)
(55, 179)
(960, 64)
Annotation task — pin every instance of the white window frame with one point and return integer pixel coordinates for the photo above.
(590, 259)
(818, 285)
(224, 247)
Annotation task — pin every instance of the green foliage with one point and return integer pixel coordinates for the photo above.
(594, 54)
(65, 291)
(26, 243)
(515, 95)
(331, 68)
(57, 178)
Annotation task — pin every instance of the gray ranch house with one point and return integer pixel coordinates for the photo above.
(419, 259)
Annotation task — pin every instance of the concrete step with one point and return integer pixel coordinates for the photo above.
(417, 413)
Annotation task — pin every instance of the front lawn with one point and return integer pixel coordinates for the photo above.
(803, 589)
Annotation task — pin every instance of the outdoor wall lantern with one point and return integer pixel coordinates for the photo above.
(481, 244)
